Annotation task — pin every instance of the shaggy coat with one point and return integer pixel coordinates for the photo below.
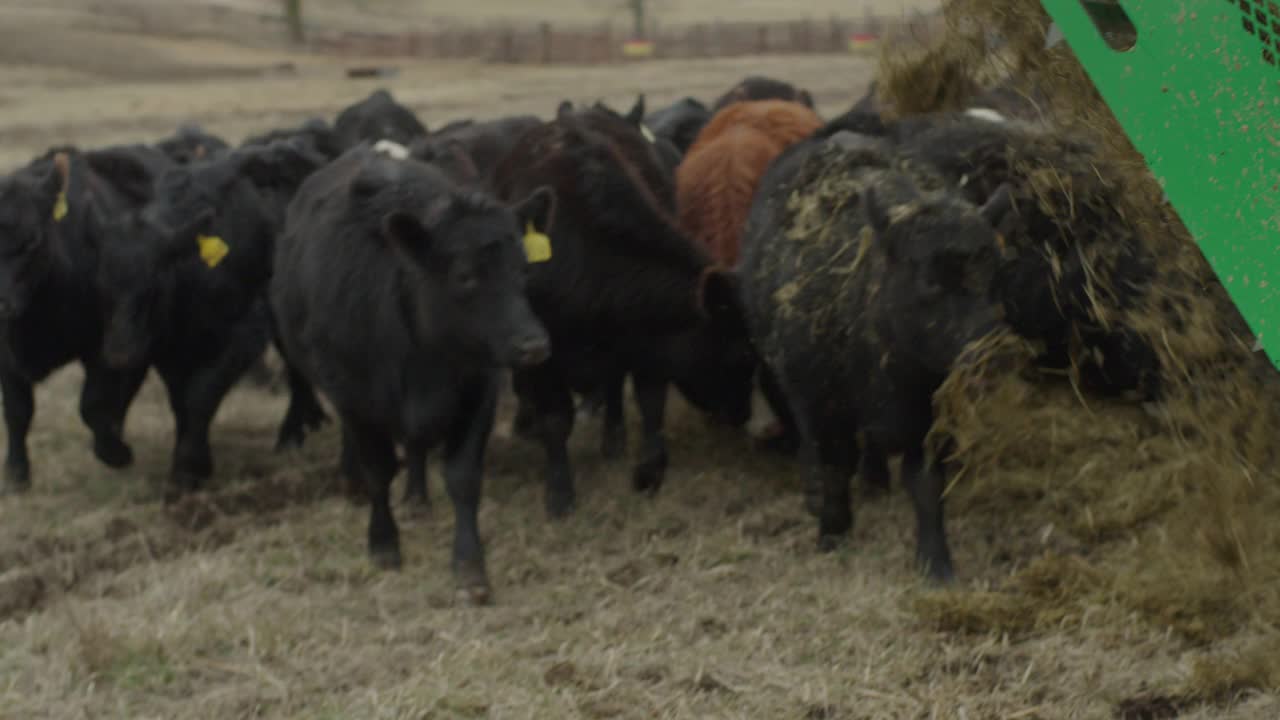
(717, 181)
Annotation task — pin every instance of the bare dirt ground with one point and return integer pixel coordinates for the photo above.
(256, 599)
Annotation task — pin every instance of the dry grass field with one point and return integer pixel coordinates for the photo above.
(255, 599)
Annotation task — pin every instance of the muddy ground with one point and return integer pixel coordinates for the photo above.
(256, 599)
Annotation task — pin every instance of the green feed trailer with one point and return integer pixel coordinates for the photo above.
(1196, 86)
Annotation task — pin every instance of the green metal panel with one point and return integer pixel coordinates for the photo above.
(1199, 97)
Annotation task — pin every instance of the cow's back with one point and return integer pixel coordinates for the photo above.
(715, 186)
(336, 286)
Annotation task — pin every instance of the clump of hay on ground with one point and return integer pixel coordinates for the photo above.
(1177, 502)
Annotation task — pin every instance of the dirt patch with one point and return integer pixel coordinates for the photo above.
(57, 564)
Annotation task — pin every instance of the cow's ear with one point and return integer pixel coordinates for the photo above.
(407, 237)
(719, 296)
(536, 212)
(564, 110)
(412, 238)
(191, 236)
(462, 158)
(51, 188)
(996, 206)
(636, 113)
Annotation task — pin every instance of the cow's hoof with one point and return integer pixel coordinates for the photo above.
(386, 558)
(472, 583)
(939, 573)
(16, 480)
(942, 580)
(829, 543)
(560, 505)
(290, 438)
(475, 596)
(775, 439)
(647, 477)
(112, 451)
(182, 482)
(416, 503)
(813, 504)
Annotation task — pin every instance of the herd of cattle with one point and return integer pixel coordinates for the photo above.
(837, 266)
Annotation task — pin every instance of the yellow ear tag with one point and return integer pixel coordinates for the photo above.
(212, 249)
(60, 207)
(537, 246)
(648, 134)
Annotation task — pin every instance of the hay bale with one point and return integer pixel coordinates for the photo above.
(1194, 479)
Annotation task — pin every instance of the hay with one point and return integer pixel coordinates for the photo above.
(1177, 500)
(1050, 592)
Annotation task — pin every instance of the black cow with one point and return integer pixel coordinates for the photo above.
(315, 133)
(602, 118)
(377, 117)
(402, 298)
(711, 363)
(469, 151)
(1068, 245)
(759, 87)
(189, 297)
(621, 275)
(191, 142)
(679, 122)
(50, 310)
(861, 291)
(655, 159)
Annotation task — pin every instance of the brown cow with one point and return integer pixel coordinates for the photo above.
(717, 180)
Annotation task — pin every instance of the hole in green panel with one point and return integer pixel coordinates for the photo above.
(1114, 25)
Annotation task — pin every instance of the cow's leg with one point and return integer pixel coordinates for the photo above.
(613, 443)
(375, 454)
(874, 471)
(349, 469)
(206, 387)
(783, 437)
(19, 408)
(828, 454)
(464, 470)
(552, 401)
(415, 489)
(925, 483)
(651, 397)
(104, 403)
(305, 412)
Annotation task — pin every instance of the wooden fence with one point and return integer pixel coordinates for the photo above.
(546, 44)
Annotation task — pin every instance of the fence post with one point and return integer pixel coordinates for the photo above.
(508, 46)
(545, 30)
